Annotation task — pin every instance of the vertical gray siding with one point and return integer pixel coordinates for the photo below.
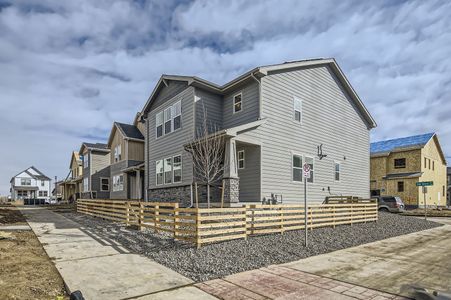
(213, 105)
(250, 175)
(250, 104)
(329, 117)
(95, 181)
(172, 144)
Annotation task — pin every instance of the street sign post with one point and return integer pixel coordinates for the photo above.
(306, 171)
(425, 184)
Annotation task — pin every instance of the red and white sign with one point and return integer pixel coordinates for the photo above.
(306, 170)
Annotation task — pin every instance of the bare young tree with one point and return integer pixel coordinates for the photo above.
(207, 150)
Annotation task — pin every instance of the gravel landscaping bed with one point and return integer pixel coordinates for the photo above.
(218, 260)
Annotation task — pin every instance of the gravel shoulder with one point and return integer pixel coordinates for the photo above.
(222, 259)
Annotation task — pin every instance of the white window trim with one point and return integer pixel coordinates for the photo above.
(156, 125)
(156, 174)
(233, 102)
(101, 189)
(292, 167)
(117, 187)
(170, 120)
(181, 169)
(244, 159)
(294, 110)
(172, 170)
(335, 171)
(175, 116)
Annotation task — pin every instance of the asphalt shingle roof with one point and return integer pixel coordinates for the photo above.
(405, 142)
(130, 131)
(96, 145)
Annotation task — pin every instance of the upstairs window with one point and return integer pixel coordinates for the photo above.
(297, 168)
(25, 181)
(168, 120)
(337, 171)
(159, 124)
(85, 161)
(177, 115)
(117, 153)
(297, 105)
(237, 103)
(241, 159)
(400, 163)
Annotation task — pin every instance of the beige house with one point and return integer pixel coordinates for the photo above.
(398, 164)
(72, 186)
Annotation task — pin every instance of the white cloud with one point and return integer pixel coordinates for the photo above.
(71, 68)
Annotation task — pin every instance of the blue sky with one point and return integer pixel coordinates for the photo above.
(71, 68)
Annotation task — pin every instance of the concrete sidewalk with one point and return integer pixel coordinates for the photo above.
(102, 269)
(418, 259)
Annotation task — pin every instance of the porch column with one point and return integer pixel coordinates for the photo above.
(138, 184)
(231, 179)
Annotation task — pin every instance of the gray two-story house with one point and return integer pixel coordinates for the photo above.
(96, 171)
(126, 143)
(273, 119)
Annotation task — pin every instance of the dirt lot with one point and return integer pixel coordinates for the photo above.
(26, 271)
(430, 212)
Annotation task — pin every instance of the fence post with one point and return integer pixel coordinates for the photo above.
(141, 216)
(311, 219)
(128, 213)
(245, 221)
(333, 215)
(156, 213)
(176, 219)
(351, 213)
(198, 222)
(281, 219)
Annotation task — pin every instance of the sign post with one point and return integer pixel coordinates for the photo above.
(425, 184)
(306, 171)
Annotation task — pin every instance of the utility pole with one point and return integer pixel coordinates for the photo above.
(56, 189)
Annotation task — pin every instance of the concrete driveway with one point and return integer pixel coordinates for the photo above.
(420, 259)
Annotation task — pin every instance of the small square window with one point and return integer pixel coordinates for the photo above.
(237, 103)
(400, 163)
(241, 159)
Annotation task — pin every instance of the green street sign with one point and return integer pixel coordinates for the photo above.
(425, 183)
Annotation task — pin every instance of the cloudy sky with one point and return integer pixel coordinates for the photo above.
(68, 69)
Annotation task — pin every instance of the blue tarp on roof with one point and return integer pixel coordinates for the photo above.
(411, 141)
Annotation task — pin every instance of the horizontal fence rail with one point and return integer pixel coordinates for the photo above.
(208, 225)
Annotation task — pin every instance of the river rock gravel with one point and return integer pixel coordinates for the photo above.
(225, 258)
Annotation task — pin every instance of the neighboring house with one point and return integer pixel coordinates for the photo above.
(398, 164)
(96, 171)
(30, 184)
(73, 185)
(273, 119)
(449, 186)
(126, 143)
(58, 192)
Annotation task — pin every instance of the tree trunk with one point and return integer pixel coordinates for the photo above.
(208, 194)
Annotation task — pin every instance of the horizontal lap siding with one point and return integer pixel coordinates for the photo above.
(250, 106)
(173, 143)
(213, 105)
(330, 118)
(250, 175)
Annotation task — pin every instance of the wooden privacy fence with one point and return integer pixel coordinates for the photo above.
(207, 225)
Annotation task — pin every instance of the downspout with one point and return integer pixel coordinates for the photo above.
(259, 117)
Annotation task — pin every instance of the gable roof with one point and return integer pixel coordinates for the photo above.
(97, 146)
(401, 143)
(76, 156)
(262, 71)
(39, 175)
(128, 131)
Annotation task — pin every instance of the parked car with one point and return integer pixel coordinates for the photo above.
(390, 204)
(50, 201)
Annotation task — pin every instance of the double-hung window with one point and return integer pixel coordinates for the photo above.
(400, 163)
(117, 153)
(25, 181)
(237, 103)
(241, 159)
(168, 120)
(104, 184)
(337, 171)
(118, 183)
(177, 167)
(297, 167)
(177, 115)
(297, 105)
(168, 170)
(159, 124)
(85, 161)
(85, 184)
(42, 182)
(159, 170)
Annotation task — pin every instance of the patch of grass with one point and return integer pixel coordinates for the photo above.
(430, 212)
